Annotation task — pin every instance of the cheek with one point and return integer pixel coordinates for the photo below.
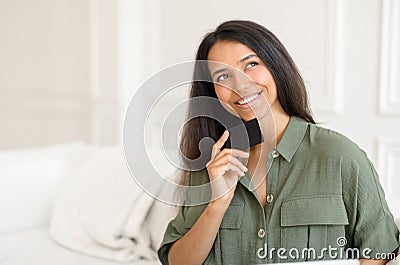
(223, 93)
(262, 77)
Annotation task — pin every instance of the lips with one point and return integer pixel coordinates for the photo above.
(247, 100)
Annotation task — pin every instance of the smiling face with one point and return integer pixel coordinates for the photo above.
(242, 82)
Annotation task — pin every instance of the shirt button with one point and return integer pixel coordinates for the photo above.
(275, 153)
(270, 198)
(261, 233)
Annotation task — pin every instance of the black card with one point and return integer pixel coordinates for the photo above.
(244, 135)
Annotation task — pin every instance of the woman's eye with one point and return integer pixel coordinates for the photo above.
(251, 64)
(222, 77)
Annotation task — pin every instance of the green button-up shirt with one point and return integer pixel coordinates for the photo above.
(323, 200)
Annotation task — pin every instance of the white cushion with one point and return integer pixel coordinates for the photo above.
(29, 179)
(158, 218)
(34, 247)
(100, 209)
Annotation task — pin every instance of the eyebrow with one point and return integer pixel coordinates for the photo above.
(219, 71)
(246, 58)
(238, 62)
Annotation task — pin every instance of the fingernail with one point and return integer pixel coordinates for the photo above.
(242, 174)
(245, 169)
(246, 154)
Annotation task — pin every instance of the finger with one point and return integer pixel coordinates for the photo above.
(235, 169)
(218, 145)
(220, 170)
(230, 159)
(234, 152)
(240, 153)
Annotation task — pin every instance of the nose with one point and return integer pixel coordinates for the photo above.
(242, 84)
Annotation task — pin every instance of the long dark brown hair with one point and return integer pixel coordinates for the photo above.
(291, 89)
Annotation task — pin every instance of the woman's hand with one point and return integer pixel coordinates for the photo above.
(224, 170)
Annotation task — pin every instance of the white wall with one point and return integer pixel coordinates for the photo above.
(347, 51)
(69, 67)
(44, 72)
(59, 72)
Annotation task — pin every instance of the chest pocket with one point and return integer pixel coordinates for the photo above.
(227, 245)
(312, 223)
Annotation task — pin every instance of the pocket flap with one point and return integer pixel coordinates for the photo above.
(314, 210)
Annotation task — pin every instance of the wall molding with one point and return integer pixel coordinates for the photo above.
(335, 58)
(389, 85)
(388, 154)
(94, 67)
(103, 65)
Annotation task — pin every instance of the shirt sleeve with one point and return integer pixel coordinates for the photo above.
(175, 230)
(187, 214)
(375, 233)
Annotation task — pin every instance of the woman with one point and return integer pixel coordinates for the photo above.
(313, 192)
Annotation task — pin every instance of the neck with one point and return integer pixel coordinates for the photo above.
(273, 126)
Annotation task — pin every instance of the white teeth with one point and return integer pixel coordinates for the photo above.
(247, 100)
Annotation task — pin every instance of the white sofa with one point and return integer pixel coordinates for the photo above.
(30, 182)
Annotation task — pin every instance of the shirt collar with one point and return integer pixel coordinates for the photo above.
(287, 147)
(292, 137)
